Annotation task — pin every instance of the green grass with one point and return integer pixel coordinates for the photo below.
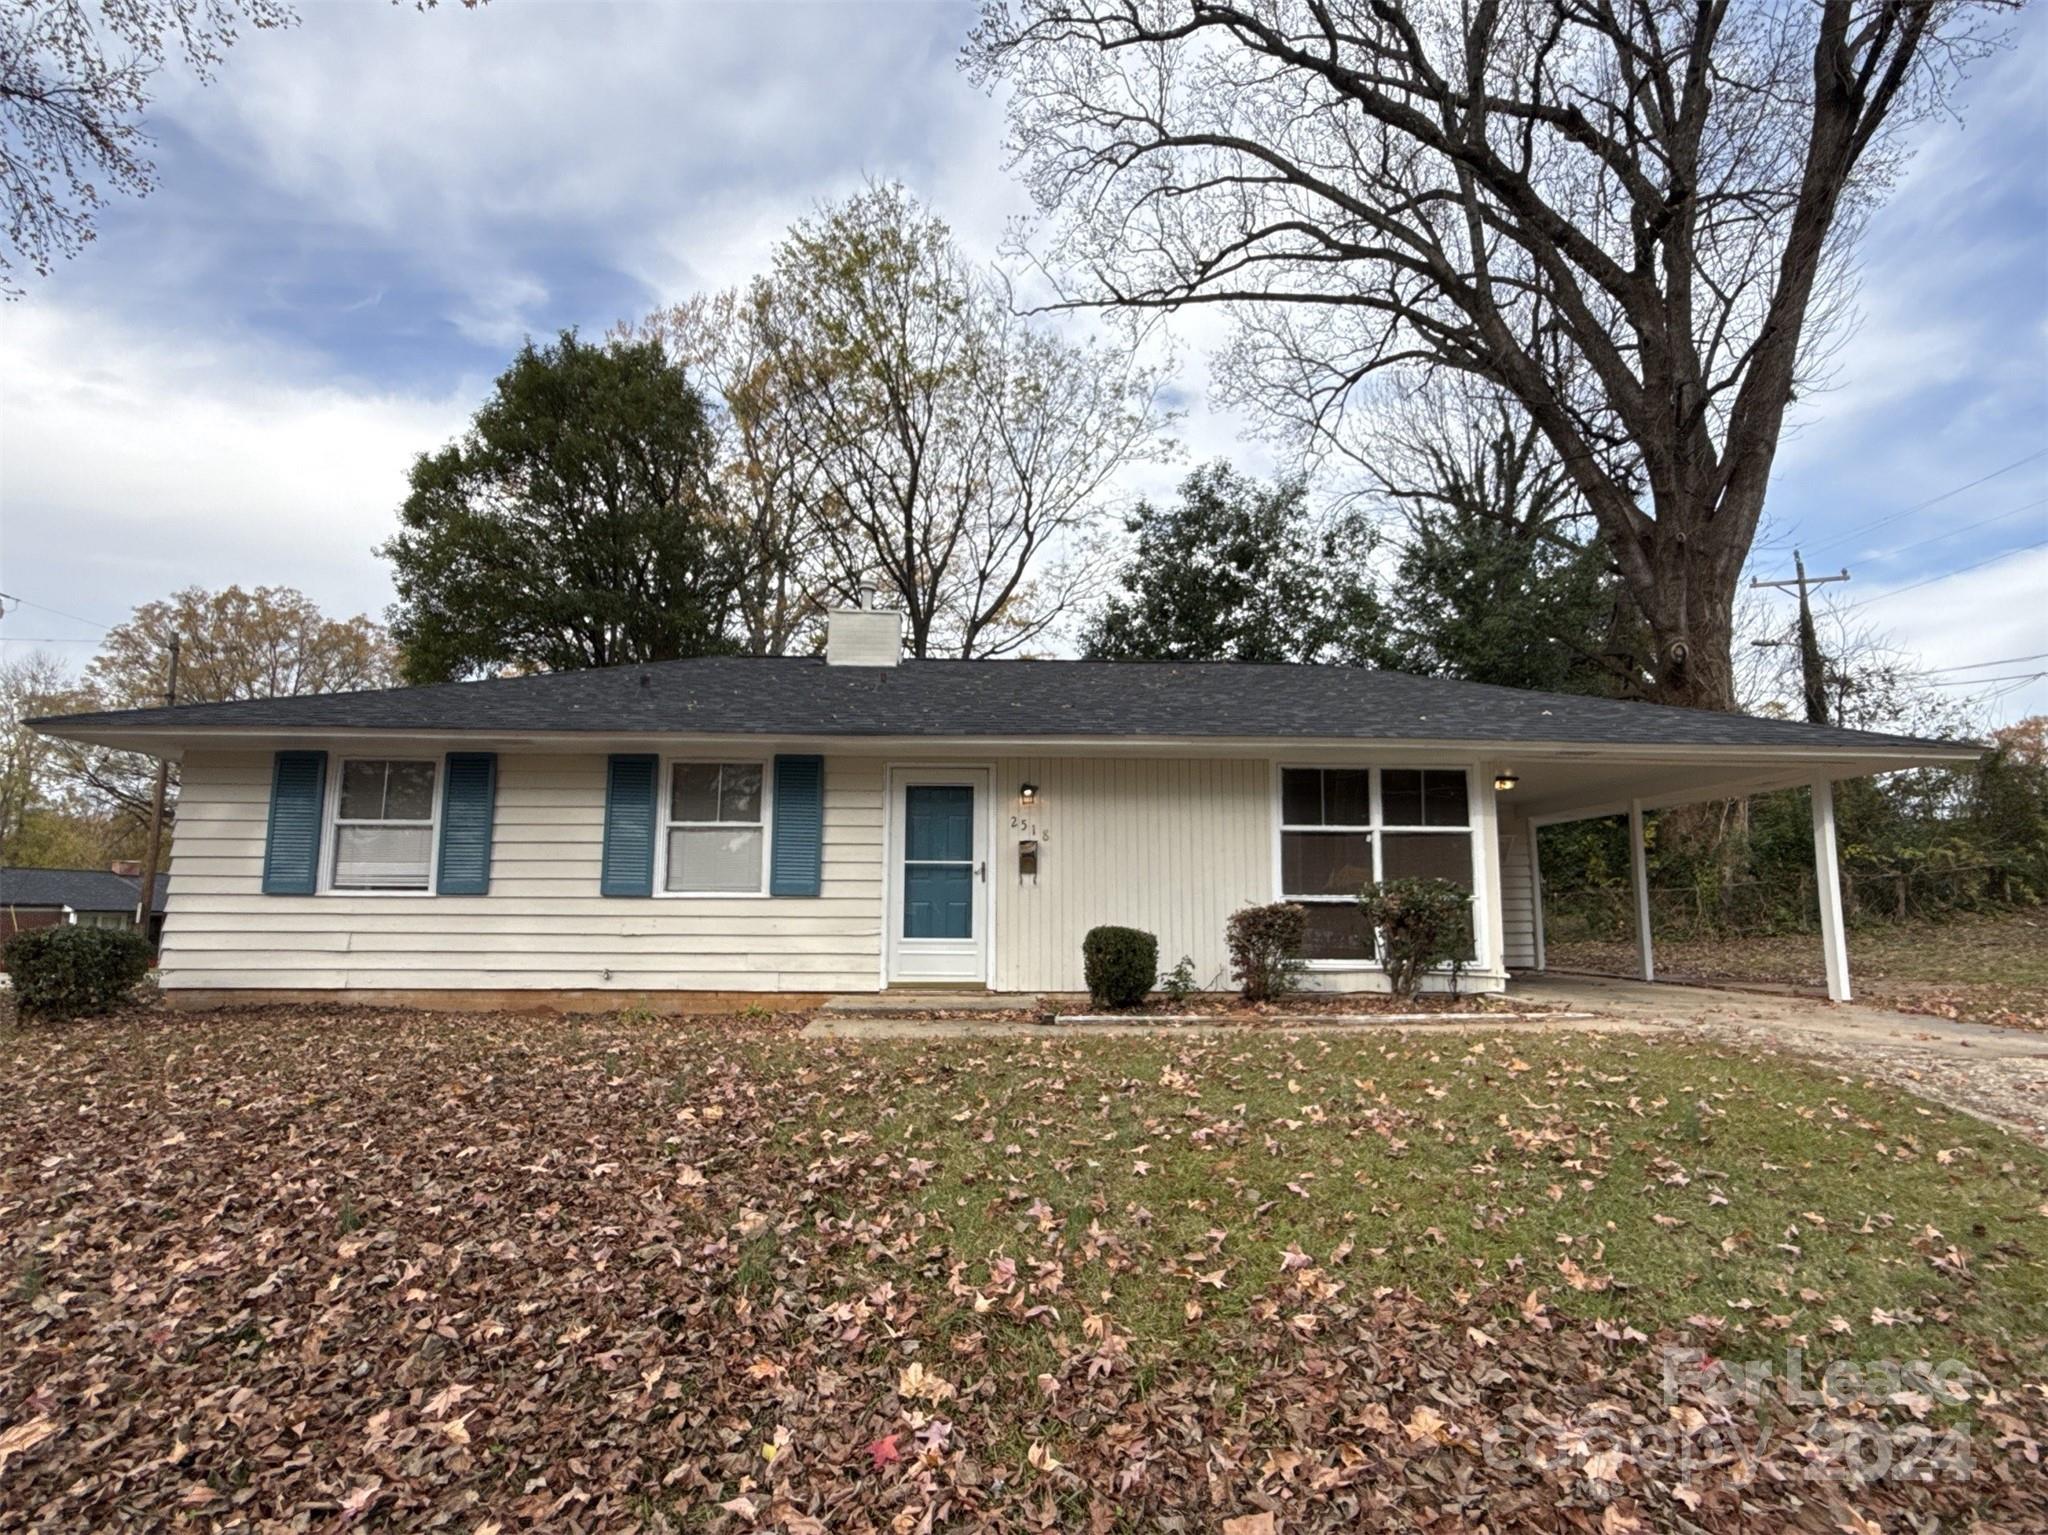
(1679, 1181)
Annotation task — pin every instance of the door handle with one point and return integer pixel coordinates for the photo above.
(981, 871)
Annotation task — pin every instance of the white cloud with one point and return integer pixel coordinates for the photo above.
(136, 464)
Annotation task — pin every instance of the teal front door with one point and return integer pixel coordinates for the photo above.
(938, 885)
(938, 860)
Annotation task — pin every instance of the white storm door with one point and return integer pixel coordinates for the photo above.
(938, 875)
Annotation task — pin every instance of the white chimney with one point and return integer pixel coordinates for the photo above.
(863, 636)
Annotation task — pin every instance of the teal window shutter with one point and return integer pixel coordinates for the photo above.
(794, 864)
(291, 846)
(468, 799)
(629, 787)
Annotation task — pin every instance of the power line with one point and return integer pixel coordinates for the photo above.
(1979, 682)
(43, 639)
(1885, 521)
(1972, 666)
(1968, 527)
(42, 607)
(1960, 570)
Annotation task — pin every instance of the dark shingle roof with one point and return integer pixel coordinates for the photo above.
(787, 696)
(80, 889)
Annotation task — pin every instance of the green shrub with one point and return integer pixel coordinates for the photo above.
(1120, 963)
(1179, 983)
(1422, 923)
(69, 971)
(1265, 948)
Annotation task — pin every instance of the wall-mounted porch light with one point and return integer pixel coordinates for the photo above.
(1028, 793)
(1505, 780)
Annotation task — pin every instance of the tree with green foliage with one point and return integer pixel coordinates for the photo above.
(1500, 577)
(577, 523)
(1235, 569)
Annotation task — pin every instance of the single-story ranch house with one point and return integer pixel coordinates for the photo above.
(854, 821)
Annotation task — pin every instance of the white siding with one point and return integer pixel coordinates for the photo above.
(1170, 845)
(543, 925)
(1517, 897)
(1173, 847)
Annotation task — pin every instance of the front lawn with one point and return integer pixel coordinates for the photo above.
(294, 1270)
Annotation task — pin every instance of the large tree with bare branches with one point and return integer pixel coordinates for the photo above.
(1631, 217)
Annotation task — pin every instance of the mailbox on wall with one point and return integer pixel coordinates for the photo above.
(1027, 860)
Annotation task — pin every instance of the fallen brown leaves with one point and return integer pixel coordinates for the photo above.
(302, 1272)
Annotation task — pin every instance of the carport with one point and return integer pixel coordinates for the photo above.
(1557, 785)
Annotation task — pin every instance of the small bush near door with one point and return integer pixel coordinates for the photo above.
(1265, 949)
(67, 972)
(1120, 963)
(1422, 923)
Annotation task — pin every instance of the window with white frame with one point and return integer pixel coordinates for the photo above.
(1341, 828)
(384, 824)
(717, 832)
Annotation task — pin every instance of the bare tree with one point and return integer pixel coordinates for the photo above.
(74, 83)
(769, 476)
(1634, 219)
(962, 455)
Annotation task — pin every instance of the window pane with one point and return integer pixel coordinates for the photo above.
(1336, 931)
(1325, 862)
(739, 792)
(1428, 855)
(706, 858)
(1301, 796)
(1347, 797)
(1423, 855)
(382, 857)
(362, 790)
(695, 794)
(1401, 797)
(409, 791)
(1443, 799)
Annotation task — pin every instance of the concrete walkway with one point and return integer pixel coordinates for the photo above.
(866, 1026)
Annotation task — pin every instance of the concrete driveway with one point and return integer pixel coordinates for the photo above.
(2000, 1075)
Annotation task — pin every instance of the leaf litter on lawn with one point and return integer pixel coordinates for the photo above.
(301, 1270)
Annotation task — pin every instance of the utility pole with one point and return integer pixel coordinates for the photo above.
(1813, 674)
(145, 903)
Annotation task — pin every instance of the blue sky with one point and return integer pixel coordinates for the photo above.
(362, 216)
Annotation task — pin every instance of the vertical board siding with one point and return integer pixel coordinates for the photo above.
(542, 924)
(1170, 846)
(1517, 895)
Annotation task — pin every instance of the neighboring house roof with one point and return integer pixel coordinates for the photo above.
(80, 889)
(792, 696)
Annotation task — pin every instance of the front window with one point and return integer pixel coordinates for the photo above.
(1343, 828)
(717, 844)
(384, 824)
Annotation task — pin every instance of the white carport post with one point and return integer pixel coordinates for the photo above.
(1639, 866)
(1828, 885)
